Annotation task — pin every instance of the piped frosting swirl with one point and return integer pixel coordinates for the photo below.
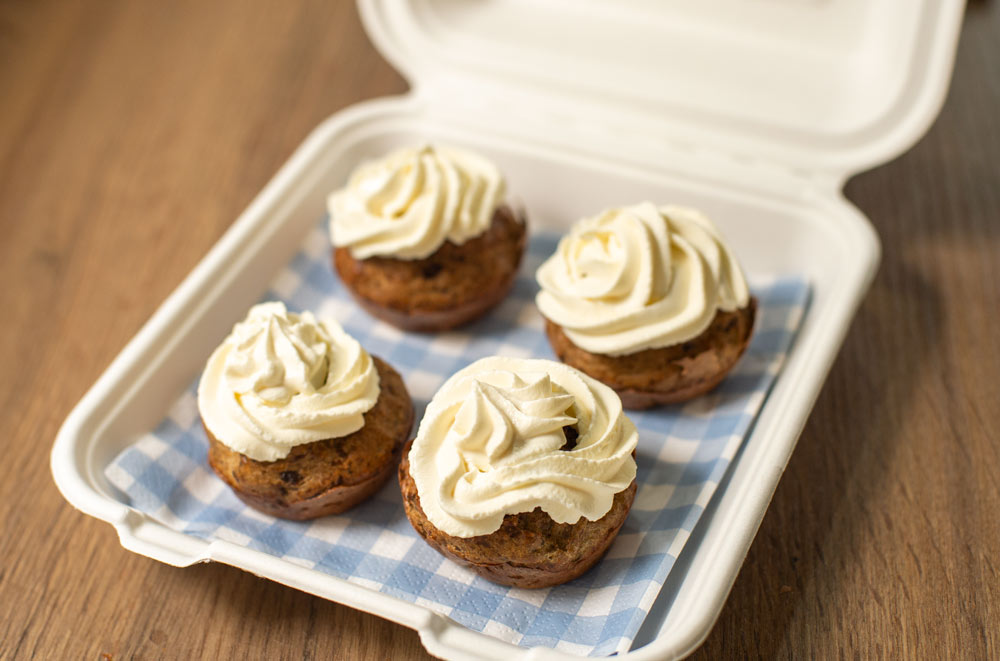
(283, 379)
(639, 277)
(409, 203)
(491, 443)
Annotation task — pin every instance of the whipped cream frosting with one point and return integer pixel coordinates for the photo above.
(489, 445)
(639, 277)
(283, 379)
(409, 203)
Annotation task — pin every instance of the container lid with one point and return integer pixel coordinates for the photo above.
(820, 85)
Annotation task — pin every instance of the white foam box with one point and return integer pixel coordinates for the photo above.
(755, 111)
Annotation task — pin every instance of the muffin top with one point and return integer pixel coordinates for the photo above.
(283, 379)
(408, 203)
(504, 436)
(639, 277)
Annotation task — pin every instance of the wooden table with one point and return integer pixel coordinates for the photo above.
(133, 133)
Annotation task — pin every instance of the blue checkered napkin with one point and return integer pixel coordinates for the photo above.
(683, 453)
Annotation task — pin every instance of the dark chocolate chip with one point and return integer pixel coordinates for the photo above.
(430, 270)
(571, 433)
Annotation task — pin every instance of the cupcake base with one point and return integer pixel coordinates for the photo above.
(669, 375)
(529, 550)
(451, 287)
(329, 476)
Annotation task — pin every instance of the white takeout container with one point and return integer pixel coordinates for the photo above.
(755, 111)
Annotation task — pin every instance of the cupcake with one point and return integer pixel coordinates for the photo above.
(301, 421)
(649, 300)
(522, 470)
(423, 239)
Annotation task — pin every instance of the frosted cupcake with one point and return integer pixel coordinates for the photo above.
(649, 300)
(423, 238)
(301, 421)
(522, 470)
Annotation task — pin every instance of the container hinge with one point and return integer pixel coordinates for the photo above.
(599, 131)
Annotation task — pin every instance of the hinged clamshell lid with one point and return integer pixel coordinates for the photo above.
(831, 86)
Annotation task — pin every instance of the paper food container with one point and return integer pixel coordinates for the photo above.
(755, 111)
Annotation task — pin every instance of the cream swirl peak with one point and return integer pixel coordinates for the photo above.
(639, 277)
(491, 444)
(282, 379)
(409, 203)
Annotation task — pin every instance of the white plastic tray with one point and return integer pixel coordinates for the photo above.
(777, 219)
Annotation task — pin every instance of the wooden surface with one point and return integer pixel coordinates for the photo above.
(133, 133)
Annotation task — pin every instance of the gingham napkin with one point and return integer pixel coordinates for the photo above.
(683, 453)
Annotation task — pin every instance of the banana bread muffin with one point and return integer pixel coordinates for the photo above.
(423, 240)
(301, 421)
(649, 301)
(522, 470)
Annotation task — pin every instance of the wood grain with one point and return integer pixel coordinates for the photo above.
(133, 133)
(883, 537)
